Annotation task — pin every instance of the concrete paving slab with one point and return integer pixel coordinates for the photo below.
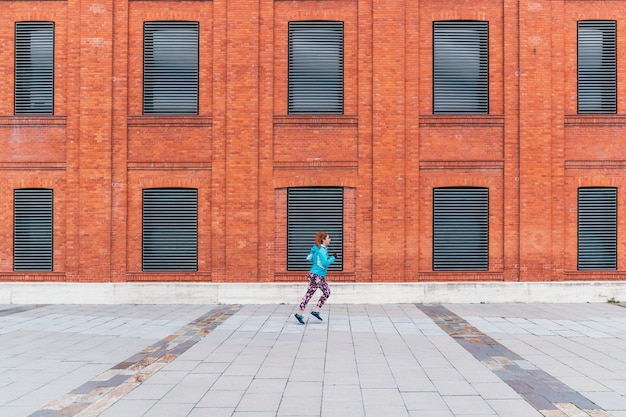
(440, 360)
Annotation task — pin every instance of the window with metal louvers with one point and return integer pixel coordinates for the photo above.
(312, 210)
(597, 228)
(34, 68)
(461, 228)
(461, 67)
(315, 67)
(32, 229)
(170, 229)
(597, 66)
(170, 67)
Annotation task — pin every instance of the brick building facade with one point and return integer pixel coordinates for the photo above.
(536, 144)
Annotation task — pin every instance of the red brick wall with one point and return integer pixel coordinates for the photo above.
(243, 150)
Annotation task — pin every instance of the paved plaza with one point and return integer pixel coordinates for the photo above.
(388, 360)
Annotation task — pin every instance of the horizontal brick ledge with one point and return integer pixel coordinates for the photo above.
(595, 119)
(595, 164)
(595, 275)
(137, 166)
(297, 276)
(201, 121)
(461, 164)
(315, 120)
(47, 166)
(33, 121)
(460, 119)
(315, 164)
(446, 276)
(168, 277)
(33, 276)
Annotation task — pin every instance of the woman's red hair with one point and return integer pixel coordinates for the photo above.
(319, 238)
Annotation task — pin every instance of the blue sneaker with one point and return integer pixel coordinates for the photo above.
(316, 314)
(299, 318)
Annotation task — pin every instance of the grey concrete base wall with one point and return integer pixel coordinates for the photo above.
(291, 293)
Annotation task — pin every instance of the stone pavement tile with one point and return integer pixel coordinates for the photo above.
(608, 400)
(380, 381)
(307, 405)
(408, 384)
(617, 385)
(232, 383)
(495, 391)
(149, 392)
(169, 410)
(280, 372)
(381, 396)
(268, 401)
(342, 409)
(220, 399)
(267, 385)
(210, 368)
(424, 401)
(432, 413)
(341, 378)
(128, 408)
(303, 388)
(513, 407)
(350, 393)
(211, 412)
(468, 404)
(386, 411)
(191, 389)
(581, 383)
(454, 388)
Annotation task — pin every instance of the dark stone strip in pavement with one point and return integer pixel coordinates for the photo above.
(536, 386)
(19, 309)
(104, 390)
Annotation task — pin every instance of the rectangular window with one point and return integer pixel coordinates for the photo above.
(461, 229)
(597, 228)
(32, 229)
(312, 210)
(461, 67)
(170, 67)
(316, 67)
(597, 66)
(34, 68)
(170, 229)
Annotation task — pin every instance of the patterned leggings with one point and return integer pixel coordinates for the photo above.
(315, 282)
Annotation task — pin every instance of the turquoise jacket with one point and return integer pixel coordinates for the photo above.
(321, 260)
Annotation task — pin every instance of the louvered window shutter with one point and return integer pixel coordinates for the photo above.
(316, 67)
(170, 229)
(461, 229)
(461, 67)
(597, 228)
(597, 66)
(32, 230)
(312, 210)
(34, 68)
(170, 67)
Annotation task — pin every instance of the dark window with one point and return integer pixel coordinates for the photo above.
(461, 229)
(34, 68)
(312, 210)
(316, 67)
(461, 67)
(597, 67)
(170, 68)
(597, 228)
(32, 230)
(170, 229)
